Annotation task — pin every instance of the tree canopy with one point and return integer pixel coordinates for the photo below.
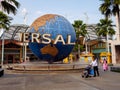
(105, 27)
(9, 6)
(109, 7)
(4, 21)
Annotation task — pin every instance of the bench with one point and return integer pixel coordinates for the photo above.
(1, 72)
(115, 69)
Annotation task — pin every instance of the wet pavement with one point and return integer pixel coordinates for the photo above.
(59, 81)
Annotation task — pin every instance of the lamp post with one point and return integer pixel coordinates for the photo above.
(25, 13)
(86, 46)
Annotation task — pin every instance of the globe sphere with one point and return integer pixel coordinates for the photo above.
(58, 29)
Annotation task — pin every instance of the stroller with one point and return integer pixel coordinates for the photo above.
(88, 72)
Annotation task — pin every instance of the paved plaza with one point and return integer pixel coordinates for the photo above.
(59, 81)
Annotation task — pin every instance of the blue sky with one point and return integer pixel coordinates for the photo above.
(86, 10)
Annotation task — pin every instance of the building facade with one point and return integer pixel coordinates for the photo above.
(14, 50)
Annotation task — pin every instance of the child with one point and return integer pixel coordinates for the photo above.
(105, 65)
(86, 72)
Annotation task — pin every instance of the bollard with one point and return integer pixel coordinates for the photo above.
(48, 68)
(24, 68)
(73, 66)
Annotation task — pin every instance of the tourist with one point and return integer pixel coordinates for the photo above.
(94, 64)
(105, 65)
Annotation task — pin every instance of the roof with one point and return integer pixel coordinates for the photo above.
(93, 42)
(11, 41)
(14, 30)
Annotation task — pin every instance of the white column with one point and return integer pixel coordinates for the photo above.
(107, 42)
(25, 51)
(86, 49)
(2, 60)
(118, 28)
(113, 53)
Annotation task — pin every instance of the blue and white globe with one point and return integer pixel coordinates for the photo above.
(55, 25)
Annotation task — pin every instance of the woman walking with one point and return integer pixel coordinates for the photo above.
(105, 65)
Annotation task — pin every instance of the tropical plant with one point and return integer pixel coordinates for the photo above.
(9, 6)
(80, 29)
(105, 27)
(111, 7)
(4, 21)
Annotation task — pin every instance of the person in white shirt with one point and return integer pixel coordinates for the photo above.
(94, 64)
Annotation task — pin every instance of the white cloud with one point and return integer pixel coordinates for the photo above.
(38, 12)
(24, 11)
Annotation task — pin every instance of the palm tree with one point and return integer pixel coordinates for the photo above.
(9, 6)
(4, 21)
(105, 28)
(4, 24)
(111, 7)
(80, 29)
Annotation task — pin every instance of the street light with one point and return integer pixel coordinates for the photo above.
(86, 36)
(25, 13)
